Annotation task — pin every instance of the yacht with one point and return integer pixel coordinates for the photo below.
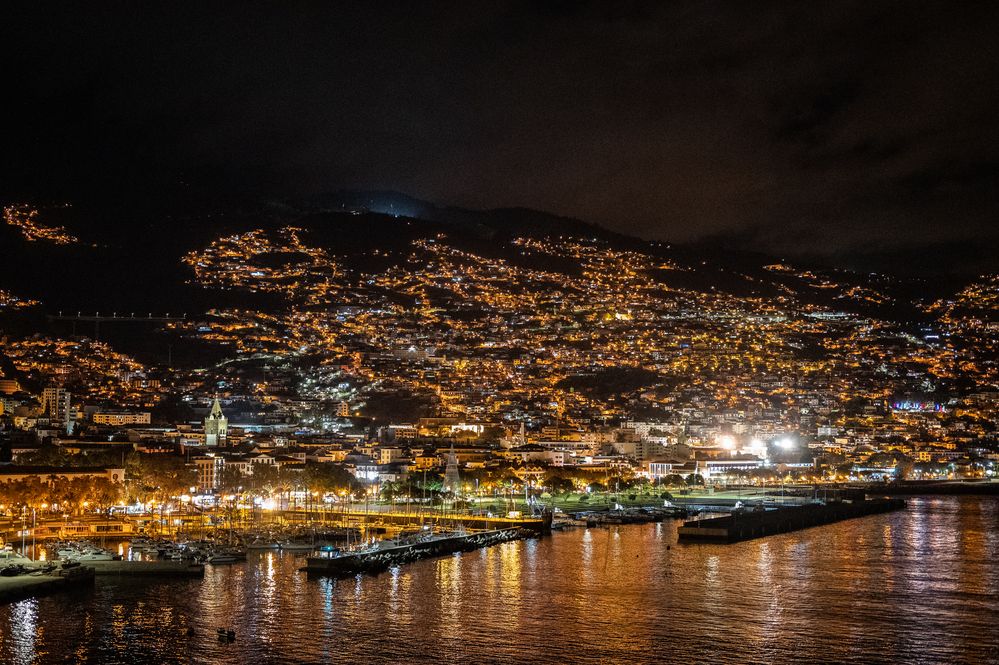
(8, 557)
(225, 557)
(83, 552)
(296, 546)
(94, 555)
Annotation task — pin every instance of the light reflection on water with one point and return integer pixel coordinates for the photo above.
(918, 585)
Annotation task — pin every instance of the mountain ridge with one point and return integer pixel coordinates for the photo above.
(129, 257)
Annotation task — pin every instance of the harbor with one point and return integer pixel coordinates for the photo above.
(758, 523)
(539, 590)
(394, 542)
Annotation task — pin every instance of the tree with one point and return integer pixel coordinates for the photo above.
(390, 490)
(326, 477)
(106, 494)
(561, 485)
(47, 455)
(695, 479)
(158, 476)
(673, 480)
(70, 494)
(263, 480)
(230, 480)
(23, 493)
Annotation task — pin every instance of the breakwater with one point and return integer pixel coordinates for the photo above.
(147, 568)
(340, 564)
(758, 524)
(938, 488)
(42, 583)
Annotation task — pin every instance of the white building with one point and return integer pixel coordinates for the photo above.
(115, 418)
(55, 403)
(216, 426)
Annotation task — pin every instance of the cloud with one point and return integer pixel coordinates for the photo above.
(794, 127)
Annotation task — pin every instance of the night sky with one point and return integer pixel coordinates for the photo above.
(805, 128)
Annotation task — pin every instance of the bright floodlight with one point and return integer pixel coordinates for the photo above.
(785, 443)
(727, 442)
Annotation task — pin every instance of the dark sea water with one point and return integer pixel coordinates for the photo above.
(915, 586)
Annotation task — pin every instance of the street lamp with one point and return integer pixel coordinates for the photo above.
(786, 443)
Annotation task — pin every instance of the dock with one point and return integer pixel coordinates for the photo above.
(147, 568)
(20, 587)
(759, 524)
(376, 560)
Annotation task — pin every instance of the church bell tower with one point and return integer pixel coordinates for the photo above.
(216, 426)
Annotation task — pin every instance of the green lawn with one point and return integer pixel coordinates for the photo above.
(578, 501)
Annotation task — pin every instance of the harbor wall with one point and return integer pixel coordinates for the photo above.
(20, 587)
(378, 560)
(749, 525)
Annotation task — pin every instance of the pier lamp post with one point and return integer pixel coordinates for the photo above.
(786, 443)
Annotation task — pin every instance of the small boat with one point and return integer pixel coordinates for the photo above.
(259, 544)
(222, 557)
(94, 555)
(8, 557)
(296, 546)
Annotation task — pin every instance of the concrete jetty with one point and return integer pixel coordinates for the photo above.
(381, 558)
(147, 568)
(758, 524)
(20, 587)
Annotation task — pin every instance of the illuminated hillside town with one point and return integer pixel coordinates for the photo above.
(590, 379)
(513, 332)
